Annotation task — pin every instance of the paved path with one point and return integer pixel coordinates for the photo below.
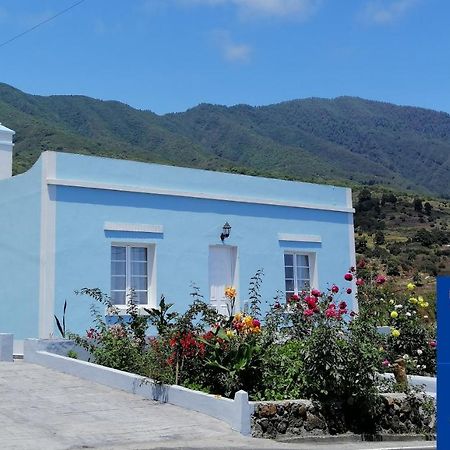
(44, 409)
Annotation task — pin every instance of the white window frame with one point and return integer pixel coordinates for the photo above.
(151, 273)
(313, 275)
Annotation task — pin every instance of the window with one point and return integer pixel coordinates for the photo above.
(130, 270)
(297, 273)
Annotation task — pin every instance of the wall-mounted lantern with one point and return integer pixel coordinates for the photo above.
(225, 231)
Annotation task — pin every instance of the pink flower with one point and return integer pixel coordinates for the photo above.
(348, 276)
(386, 363)
(359, 282)
(380, 279)
(361, 264)
(433, 344)
(349, 290)
(331, 312)
(308, 312)
(256, 323)
(334, 289)
(295, 298)
(311, 302)
(316, 293)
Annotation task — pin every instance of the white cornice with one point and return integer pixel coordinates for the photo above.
(299, 237)
(134, 227)
(201, 195)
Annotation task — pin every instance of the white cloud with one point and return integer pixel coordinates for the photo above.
(248, 9)
(231, 51)
(385, 12)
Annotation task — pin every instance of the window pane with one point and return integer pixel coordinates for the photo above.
(289, 285)
(139, 283)
(289, 272)
(302, 273)
(118, 268)
(138, 268)
(118, 283)
(138, 254)
(118, 253)
(288, 259)
(303, 284)
(141, 297)
(118, 297)
(302, 261)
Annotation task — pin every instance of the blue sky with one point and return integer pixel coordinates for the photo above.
(170, 55)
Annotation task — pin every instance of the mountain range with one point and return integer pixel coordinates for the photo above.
(346, 140)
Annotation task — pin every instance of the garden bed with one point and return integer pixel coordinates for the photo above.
(401, 414)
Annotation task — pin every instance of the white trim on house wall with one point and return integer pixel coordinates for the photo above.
(157, 191)
(351, 249)
(299, 237)
(47, 247)
(134, 227)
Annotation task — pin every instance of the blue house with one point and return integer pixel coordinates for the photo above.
(75, 221)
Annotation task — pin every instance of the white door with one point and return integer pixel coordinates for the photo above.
(222, 274)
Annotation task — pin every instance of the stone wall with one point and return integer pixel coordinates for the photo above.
(400, 414)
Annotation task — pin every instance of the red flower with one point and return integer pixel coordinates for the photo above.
(308, 312)
(331, 312)
(311, 302)
(348, 276)
(342, 305)
(334, 289)
(361, 264)
(316, 293)
(256, 323)
(295, 298)
(380, 279)
(349, 290)
(359, 282)
(433, 344)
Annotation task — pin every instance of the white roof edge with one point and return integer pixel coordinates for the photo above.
(200, 195)
(3, 128)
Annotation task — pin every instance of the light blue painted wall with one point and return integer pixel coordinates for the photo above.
(20, 199)
(190, 226)
(104, 170)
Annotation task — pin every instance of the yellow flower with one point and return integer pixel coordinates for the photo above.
(229, 333)
(425, 304)
(238, 317)
(394, 314)
(410, 286)
(230, 292)
(248, 320)
(413, 300)
(395, 333)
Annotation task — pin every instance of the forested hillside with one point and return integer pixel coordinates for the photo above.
(344, 140)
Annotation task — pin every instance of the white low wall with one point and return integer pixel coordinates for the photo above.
(428, 383)
(235, 412)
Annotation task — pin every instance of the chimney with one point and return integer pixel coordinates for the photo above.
(6, 150)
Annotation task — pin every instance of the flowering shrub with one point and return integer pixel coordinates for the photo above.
(309, 346)
(406, 313)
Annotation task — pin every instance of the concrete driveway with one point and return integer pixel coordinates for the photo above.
(44, 409)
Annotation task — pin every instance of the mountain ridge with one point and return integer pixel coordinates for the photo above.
(345, 140)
